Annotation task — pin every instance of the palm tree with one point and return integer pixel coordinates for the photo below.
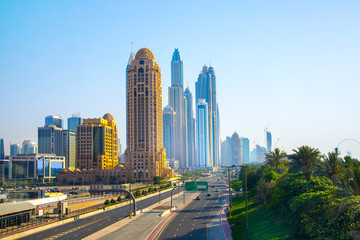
(332, 164)
(305, 159)
(275, 158)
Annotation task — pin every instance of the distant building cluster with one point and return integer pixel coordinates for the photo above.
(235, 150)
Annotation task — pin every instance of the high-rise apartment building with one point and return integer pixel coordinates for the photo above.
(206, 89)
(245, 150)
(97, 143)
(268, 141)
(53, 120)
(2, 149)
(169, 131)
(145, 156)
(235, 149)
(179, 104)
(14, 149)
(29, 147)
(202, 130)
(69, 148)
(73, 121)
(190, 127)
(226, 152)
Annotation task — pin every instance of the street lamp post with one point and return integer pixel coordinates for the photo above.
(159, 190)
(246, 202)
(184, 185)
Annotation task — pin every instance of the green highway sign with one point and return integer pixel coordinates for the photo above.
(196, 186)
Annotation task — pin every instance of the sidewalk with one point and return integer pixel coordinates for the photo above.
(142, 225)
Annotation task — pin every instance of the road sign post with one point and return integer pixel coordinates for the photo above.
(201, 186)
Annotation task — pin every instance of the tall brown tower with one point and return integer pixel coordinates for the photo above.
(145, 155)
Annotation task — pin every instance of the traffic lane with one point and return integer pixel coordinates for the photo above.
(192, 221)
(114, 214)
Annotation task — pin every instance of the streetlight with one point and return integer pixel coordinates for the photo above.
(230, 194)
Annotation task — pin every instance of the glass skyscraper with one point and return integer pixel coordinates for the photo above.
(73, 122)
(202, 128)
(14, 149)
(169, 131)
(190, 127)
(178, 103)
(53, 120)
(205, 88)
(2, 150)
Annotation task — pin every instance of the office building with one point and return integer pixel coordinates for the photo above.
(40, 167)
(190, 128)
(268, 141)
(202, 133)
(73, 121)
(97, 143)
(53, 120)
(69, 148)
(29, 147)
(226, 159)
(145, 156)
(14, 149)
(2, 149)
(205, 88)
(169, 131)
(50, 140)
(245, 143)
(235, 149)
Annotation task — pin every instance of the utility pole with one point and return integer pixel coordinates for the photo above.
(159, 189)
(184, 185)
(246, 203)
(228, 168)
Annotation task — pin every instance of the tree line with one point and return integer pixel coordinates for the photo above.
(319, 192)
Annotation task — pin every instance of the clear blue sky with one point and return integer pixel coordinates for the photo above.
(291, 65)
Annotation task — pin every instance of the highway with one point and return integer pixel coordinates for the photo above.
(192, 221)
(82, 228)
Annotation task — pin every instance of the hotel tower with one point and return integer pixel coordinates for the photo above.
(145, 156)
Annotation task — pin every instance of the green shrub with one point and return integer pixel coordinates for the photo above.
(271, 176)
(107, 202)
(119, 199)
(112, 201)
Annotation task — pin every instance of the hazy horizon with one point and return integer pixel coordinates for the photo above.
(291, 66)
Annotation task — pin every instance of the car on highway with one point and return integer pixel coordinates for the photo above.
(208, 195)
(197, 198)
(217, 190)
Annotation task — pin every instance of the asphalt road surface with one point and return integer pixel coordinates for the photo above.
(192, 221)
(82, 228)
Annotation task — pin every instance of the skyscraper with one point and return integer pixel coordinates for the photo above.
(245, 150)
(97, 143)
(268, 141)
(2, 149)
(190, 127)
(178, 103)
(73, 121)
(50, 140)
(145, 156)
(226, 152)
(202, 128)
(206, 89)
(53, 120)
(29, 147)
(14, 149)
(169, 131)
(69, 148)
(235, 149)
